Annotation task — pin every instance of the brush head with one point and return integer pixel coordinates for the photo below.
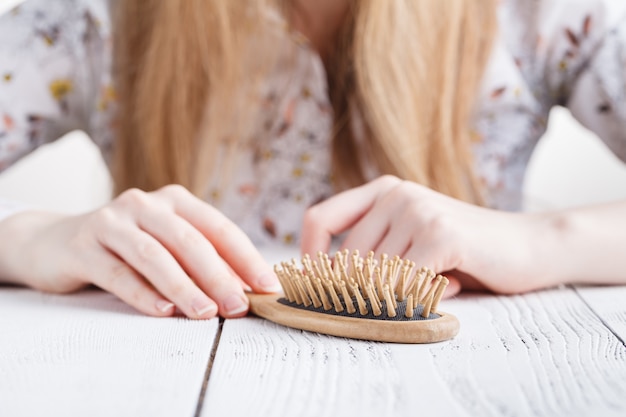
(385, 299)
(387, 289)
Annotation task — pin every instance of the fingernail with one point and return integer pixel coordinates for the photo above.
(164, 306)
(235, 304)
(203, 306)
(269, 283)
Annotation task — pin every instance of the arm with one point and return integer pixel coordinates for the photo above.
(594, 89)
(587, 66)
(588, 244)
(49, 81)
(504, 252)
(582, 59)
(156, 251)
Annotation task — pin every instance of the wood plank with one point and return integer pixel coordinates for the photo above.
(609, 303)
(89, 354)
(541, 354)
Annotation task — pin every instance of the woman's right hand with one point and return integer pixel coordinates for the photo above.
(155, 251)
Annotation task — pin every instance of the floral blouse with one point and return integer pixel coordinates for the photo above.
(55, 63)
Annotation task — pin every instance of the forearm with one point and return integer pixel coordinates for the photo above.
(12, 230)
(16, 231)
(583, 245)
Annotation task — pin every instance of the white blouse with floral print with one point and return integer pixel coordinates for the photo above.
(55, 63)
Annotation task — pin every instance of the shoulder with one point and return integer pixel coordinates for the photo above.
(54, 59)
(67, 38)
(37, 30)
(543, 17)
(51, 21)
(552, 41)
(47, 9)
(542, 26)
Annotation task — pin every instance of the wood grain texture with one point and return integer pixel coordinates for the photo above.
(418, 331)
(89, 354)
(609, 303)
(541, 354)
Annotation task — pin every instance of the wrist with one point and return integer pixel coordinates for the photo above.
(18, 232)
(583, 245)
(557, 256)
(512, 254)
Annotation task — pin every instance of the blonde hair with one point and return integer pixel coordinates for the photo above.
(410, 69)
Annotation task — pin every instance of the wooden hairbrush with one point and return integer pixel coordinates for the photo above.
(385, 300)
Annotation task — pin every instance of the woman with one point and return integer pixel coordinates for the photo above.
(420, 116)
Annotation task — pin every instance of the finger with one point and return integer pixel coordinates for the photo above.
(453, 288)
(395, 242)
(468, 282)
(433, 257)
(242, 284)
(232, 244)
(380, 229)
(116, 277)
(339, 213)
(368, 233)
(198, 258)
(150, 259)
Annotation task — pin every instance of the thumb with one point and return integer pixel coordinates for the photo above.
(453, 288)
(466, 281)
(340, 213)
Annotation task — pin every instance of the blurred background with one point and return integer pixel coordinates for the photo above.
(570, 167)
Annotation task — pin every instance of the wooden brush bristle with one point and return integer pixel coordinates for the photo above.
(390, 289)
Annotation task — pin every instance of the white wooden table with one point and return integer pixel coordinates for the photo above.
(559, 352)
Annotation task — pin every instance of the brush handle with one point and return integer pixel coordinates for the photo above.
(416, 331)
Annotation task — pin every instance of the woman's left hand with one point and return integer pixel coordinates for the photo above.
(474, 246)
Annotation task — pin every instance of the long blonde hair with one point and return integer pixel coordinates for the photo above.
(409, 69)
